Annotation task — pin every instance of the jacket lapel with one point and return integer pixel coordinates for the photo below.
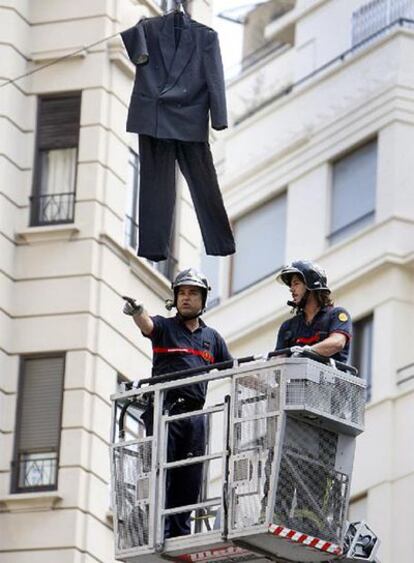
(177, 58)
(167, 42)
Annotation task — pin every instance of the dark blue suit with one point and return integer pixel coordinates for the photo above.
(176, 86)
(179, 82)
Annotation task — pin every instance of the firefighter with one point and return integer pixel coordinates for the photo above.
(317, 325)
(179, 343)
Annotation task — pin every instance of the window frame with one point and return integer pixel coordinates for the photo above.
(15, 462)
(35, 219)
(332, 234)
(132, 236)
(281, 193)
(366, 318)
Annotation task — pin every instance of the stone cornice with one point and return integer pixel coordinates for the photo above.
(34, 235)
(30, 502)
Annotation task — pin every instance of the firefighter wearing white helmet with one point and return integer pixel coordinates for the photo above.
(178, 343)
(317, 323)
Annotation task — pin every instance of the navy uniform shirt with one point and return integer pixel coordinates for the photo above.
(296, 332)
(176, 348)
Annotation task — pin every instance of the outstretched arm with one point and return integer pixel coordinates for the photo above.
(140, 316)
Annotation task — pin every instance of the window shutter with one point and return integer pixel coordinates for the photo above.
(59, 122)
(353, 191)
(41, 404)
(260, 235)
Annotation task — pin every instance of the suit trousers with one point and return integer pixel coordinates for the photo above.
(158, 193)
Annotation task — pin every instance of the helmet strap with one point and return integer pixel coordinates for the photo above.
(302, 303)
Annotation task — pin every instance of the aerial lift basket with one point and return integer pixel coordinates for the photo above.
(282, 444)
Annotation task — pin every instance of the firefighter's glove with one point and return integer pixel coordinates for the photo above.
(131, 307)
(298, 350)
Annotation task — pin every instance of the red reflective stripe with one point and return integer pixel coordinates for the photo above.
(202, 353)
(309, 340)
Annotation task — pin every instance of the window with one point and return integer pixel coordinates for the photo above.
(54, 180)
(131, 218)
(361, 350)
(39, 411)
(210, 267)
(261, 236)
(354, 179)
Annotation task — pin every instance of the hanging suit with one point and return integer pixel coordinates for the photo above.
(179, 83)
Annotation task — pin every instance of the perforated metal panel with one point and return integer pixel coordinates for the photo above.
(257, 400)
(132, 486)
(311, 496)
(337, 396)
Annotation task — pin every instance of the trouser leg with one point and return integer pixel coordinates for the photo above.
(156, 196)
(186, 438)
(196, 164)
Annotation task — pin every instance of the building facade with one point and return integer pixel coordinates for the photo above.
(318, 165)
(68, 217)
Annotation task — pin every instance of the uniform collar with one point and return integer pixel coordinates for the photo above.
(201, 323)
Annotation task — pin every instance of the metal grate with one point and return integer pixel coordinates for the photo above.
(257, 400)
(257, 393)
(311, 496)
(132, 465)
(372, 18)
(333, 395)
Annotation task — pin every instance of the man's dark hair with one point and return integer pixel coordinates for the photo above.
(324, 298)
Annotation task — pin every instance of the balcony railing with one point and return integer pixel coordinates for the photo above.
(52, 209)
(376, 16)
(339, 59)
(36, 472)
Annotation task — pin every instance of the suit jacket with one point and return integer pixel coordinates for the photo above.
(175, 87)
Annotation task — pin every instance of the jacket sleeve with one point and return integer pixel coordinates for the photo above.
(136, 44)
(213, 66)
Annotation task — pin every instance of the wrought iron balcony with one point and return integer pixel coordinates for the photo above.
(375, 18)
(35, 472)
(52, 209)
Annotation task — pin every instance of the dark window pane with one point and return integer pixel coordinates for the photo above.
(354, 179)
(361, 350)
(260, 235)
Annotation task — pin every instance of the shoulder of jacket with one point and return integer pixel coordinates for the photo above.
(335, 310)
(288, 322)
(339, 312)
(201, 26)
(151, 21)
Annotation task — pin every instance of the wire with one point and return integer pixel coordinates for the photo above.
(58, 60)
(64, 57)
